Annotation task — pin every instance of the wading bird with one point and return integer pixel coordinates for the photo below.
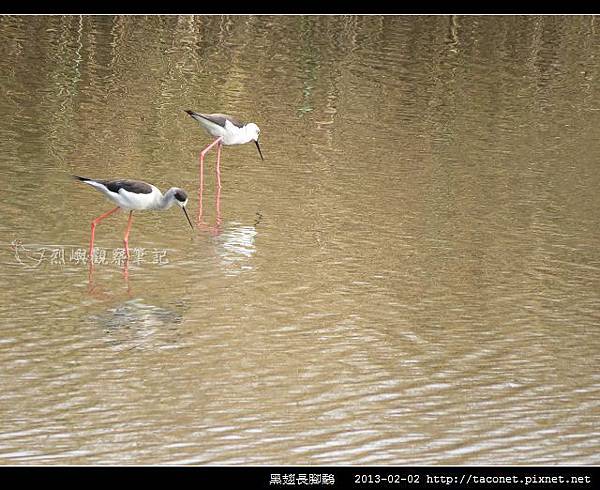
(134, 195)
(228, 131)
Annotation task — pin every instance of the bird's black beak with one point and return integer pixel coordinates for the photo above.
(188, 218)
(259, 152)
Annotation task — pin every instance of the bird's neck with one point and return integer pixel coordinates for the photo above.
(243, 135)
(166, 201)
(240, 136)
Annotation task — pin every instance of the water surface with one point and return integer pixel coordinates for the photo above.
(410, 277)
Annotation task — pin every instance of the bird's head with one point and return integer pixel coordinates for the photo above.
(253, 132)
(181, 198)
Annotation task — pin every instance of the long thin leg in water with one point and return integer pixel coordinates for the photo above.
(218, 167)
(202, 155)
(219, 219)
(201, 188)
(94, 223)
(126, 239)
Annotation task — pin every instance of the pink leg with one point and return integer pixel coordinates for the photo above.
(218, 168)
(126, 239)
(94, 223)
(126, 275)
(217, 227)
(203, 153)
(201, 189)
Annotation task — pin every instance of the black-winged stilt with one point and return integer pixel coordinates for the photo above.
(134, 195)
(228, 131)
(228, 128)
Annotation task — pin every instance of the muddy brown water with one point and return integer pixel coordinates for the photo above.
(411, 275)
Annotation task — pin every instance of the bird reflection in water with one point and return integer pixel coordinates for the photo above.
(135, 324)
(101, 293)
(235, 244)
(235, 247)
(216, 228)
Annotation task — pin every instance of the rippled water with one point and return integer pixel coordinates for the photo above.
(411, 275)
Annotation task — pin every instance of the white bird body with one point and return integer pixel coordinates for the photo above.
(136, 195)
(232, 135)
(129, 200)
(231, 130)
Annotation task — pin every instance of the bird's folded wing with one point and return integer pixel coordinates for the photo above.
(134, 186)
(221, 118)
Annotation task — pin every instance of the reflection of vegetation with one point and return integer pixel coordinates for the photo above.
(378, 67)
(310, 61)
(66, 77)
